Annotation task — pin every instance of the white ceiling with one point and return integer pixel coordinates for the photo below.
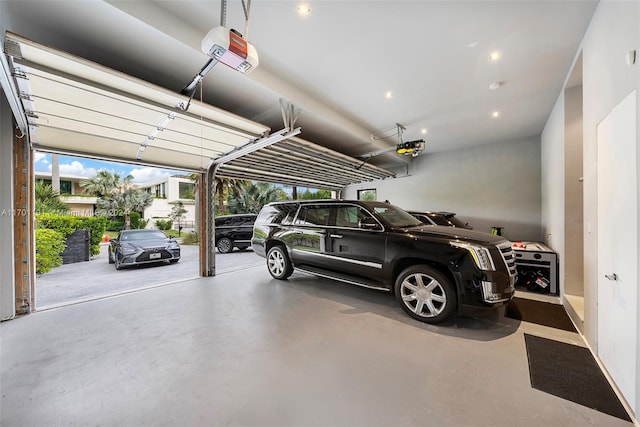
(337, 63)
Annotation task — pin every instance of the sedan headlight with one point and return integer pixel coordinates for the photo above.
(125, 250)
(480, 255)
(173, 245)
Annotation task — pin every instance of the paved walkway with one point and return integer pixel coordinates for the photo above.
(97, 278)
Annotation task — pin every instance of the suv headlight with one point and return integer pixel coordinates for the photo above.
(481, 255)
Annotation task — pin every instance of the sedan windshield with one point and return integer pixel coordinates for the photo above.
(395, 216)
(142, 235)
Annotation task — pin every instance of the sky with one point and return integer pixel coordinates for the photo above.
(83, 167)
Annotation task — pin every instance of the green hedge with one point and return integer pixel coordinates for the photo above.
(117, 223)
(49, 247)
(68, 224)
(164, 224)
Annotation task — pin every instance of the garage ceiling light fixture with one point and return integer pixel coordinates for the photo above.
(152, 135)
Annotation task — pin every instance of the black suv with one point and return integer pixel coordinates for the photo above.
(234, 231)
(434, 271)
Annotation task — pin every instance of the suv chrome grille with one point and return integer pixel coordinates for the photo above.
(509, 257)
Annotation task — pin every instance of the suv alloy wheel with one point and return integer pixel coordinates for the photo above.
(278, 263)
(425, 294)
(225, 245)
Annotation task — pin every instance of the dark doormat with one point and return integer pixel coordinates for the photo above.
(542, 313)
(570, 372)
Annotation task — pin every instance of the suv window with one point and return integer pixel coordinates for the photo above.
(396, 217)
(222, 222)
(282, 213)
(313, 215)
(350, 216)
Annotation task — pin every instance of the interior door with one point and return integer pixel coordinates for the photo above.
(617, 245)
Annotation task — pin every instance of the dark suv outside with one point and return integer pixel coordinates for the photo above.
(234, 231)
(434, 271)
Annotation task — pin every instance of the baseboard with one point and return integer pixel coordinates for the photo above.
(574, 305)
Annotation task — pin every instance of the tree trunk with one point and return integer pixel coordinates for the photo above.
(221, 201)
(127, 221)
(294, 192)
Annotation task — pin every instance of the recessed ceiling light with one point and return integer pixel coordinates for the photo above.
(496, 85)
(423, 131)
(494, 56)
(303, 10)
(495, 114)
(388, 95)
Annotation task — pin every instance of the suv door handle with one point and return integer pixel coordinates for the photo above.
(336, 236)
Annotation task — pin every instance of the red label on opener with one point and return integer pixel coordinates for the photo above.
(238, 45)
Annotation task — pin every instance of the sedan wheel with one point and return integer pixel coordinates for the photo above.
(110, 256)
(278, 263)
(225, 245)
(117, 261)
(425, 294)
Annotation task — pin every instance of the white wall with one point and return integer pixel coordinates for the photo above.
(496, 184)
(161, 208)
(614, 31)
(573, 193)
(552, 181)
(607, 79)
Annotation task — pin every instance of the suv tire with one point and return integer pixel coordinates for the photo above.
(278, 263)
(225, 245)
(425, 294)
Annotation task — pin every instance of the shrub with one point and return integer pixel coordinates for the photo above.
(190, 238)
(49, 247)
(66, 225)
(135, 220)
(115, 224)
(164, 224)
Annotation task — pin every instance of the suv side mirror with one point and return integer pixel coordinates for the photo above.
(369, 223)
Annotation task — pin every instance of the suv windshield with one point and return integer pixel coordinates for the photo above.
(395, 216)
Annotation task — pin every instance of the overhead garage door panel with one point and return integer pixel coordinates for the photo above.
(82, 102)
(303, 163)
(114, 149)
(78, 107)
(66, 104)
(103, 112)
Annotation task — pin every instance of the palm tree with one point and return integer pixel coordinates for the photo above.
(48, 200)
(228, 186)
(102, 184)
(125, 198)
(253, 196)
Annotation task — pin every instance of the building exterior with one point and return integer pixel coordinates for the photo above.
(167, 192)
(71, 193)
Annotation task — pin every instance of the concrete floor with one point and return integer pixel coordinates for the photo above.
(244, 349)
(68, 284)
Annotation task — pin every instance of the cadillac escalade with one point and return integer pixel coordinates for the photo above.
(434, 271)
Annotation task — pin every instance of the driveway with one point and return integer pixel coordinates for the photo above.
(97, 278)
